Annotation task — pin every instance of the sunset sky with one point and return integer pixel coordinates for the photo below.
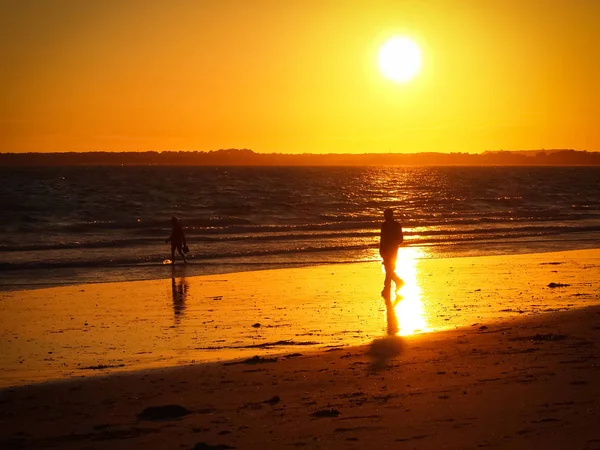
(297, 76)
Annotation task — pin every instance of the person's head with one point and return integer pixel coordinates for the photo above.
(388, 214)
(173, 220)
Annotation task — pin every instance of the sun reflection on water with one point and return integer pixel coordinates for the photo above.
(408, 304)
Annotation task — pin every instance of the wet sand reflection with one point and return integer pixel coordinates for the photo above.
(179, 293)
(392, 318)
(406, 309)
(93, 329)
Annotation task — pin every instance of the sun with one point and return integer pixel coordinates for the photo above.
(399, 59)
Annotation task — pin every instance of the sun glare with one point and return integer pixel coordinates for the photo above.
(399, 59)
(409, 306)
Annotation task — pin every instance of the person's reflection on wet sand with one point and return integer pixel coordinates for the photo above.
(385, 349)
(392, 319)
(179, 291)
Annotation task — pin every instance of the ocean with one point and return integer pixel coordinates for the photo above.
(68, 225)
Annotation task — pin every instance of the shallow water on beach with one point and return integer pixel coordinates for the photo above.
(85, 330)
(69, 225)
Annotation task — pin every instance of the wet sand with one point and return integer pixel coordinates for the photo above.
(515, 365)
(85, 330)
(527, 383)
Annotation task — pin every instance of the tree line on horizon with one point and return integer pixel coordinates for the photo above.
(245, 157)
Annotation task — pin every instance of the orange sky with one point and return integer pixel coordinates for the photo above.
(297, 76)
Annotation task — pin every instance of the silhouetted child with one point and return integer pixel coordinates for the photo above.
(177, 239)
(391, 238)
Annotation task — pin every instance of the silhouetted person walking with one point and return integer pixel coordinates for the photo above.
(177, 239)
(391, 238)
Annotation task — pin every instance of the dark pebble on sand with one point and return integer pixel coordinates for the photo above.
(256, 325)
(273, 400)
(557, 285)
(259, 360)
(541, 337)
(326, 413)
(163, 412)
(102, 366)
(205, 446)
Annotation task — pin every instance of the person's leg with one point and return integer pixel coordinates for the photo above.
(387, 282)
(391, 272)
(180, 250)
(172, 254)
(398, 281)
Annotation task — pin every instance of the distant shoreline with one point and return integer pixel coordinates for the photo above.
(245, 157)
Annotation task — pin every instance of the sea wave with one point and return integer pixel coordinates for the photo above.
(343, 244)
(72, 218)
(308, 234)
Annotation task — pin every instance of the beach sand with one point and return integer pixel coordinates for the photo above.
(511, 362)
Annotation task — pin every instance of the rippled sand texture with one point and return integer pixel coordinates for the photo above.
(101, 328)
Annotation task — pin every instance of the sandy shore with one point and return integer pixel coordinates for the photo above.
(85, 330)
(525, 384)
(513, 362)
